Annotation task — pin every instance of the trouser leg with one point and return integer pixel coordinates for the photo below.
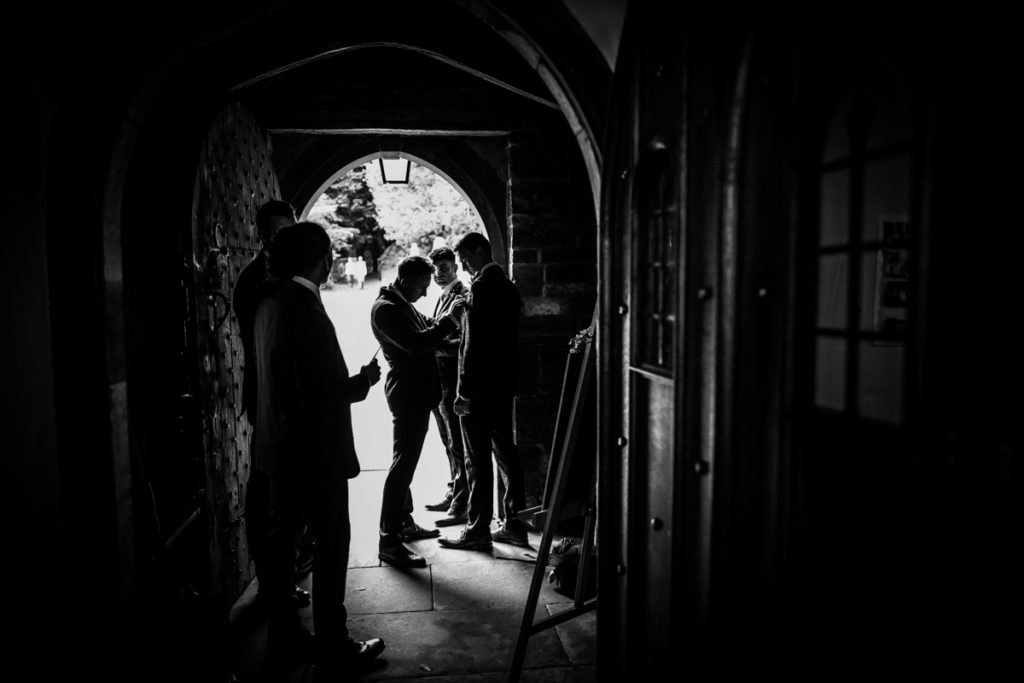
(506, 455)
(500, 486)
(476, 427)
(285, 523)
(257, 493)
(329, 524)
(409, 429)
(446, 439)
(448, 369)
(460, 483)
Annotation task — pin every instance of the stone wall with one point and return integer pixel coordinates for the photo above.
(554, 265)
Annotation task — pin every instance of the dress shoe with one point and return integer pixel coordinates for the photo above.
(397, 555)
(464, 542)
(439, 507)
(302, 597)
(453, 518)
(341, 664)
(414, 532)
(365, 651)
(514, 536)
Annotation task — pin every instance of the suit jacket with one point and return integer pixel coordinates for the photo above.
(408, 339)
(304, 422)
(252, 286)
(487, 349)
(449, 348)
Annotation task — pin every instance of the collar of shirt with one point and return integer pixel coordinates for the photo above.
(484, 269)
(401, 296)
(420, 323)
(308, 284)
(445, 299)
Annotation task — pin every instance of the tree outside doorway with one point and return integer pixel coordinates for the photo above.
(383, 223)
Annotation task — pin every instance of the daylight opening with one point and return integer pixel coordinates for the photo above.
(373, 225)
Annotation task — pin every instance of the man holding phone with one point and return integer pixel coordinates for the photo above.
(304, 434)
(413, 390)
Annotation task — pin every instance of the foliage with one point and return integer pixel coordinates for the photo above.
(348, 212)
(423, 214)
(362, 213)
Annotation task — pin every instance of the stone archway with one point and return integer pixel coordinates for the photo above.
(137, 270)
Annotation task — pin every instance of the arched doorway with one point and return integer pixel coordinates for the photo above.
(364, 216)
(127, 238)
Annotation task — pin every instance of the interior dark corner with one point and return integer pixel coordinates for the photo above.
(750, 241)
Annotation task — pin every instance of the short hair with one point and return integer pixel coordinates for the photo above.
(413, 267)
(442, 254)
(472, 242)
(272, 209)
(297, 248)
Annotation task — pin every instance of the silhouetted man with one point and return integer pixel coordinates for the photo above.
(456, 499)
(487, 361)
(407, 339)
(304, 435)
(252, 286)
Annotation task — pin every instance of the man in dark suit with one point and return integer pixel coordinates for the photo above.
(253, 284)
(304, 437)
(456, 499)
(487, 360)
(407, 339)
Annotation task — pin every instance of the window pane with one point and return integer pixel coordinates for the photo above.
(885, 292)
(655, 263)
(835, 208)
(832, 279)
(886, 197)
(880, 385)
(868, 283)
(829, 373)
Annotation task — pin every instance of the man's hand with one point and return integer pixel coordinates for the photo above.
(458, 305)
(461, 406)
(455, 310)
(371, 371)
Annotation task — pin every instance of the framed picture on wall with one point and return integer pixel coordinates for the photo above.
(892, 280)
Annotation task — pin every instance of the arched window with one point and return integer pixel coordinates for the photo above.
(864, 251)
(655, 265)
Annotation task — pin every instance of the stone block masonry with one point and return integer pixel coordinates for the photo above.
(552, 240)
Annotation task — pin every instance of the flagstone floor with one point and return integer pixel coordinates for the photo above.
(458, 618)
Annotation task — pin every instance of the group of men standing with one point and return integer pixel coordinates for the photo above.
(458, 365)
